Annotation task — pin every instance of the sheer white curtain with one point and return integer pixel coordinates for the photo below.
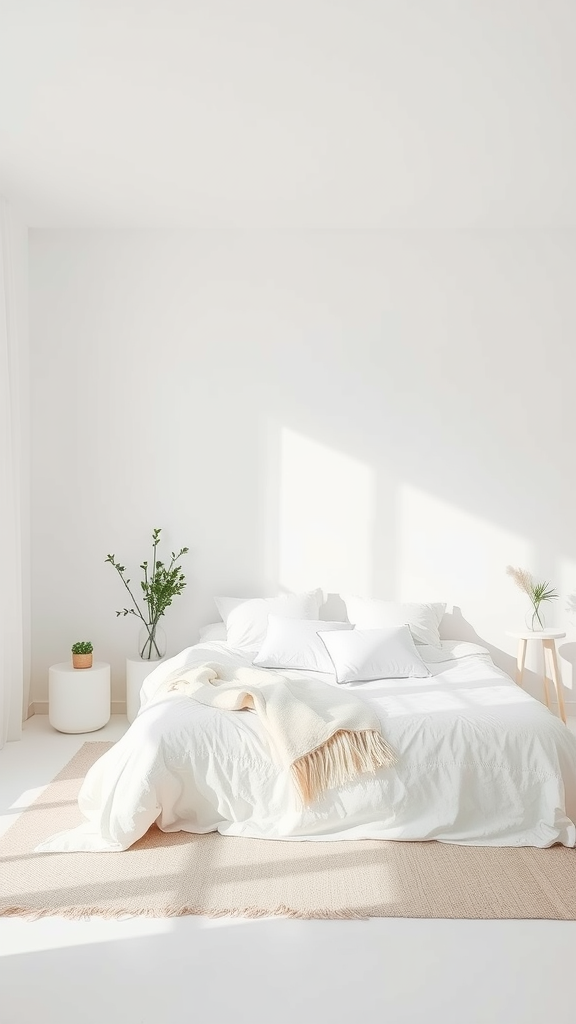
(13, 476)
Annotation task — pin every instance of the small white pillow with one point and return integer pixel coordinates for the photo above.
(424, 619)
(363, 654)
(294, 643)
(246, 619)
(212, 631)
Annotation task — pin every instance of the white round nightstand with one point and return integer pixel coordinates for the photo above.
(137, 671)
(548, 638)
(79, 698)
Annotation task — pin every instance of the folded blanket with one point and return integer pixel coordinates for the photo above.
(325, 736)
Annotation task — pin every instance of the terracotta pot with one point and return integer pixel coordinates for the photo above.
(82, 661)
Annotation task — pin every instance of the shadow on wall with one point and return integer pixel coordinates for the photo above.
(455, 627)
(567, 652)
(334, 609)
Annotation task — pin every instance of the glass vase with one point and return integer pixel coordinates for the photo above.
(151, 643)
(535, 619)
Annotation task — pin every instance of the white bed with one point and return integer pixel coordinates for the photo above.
(480, 763)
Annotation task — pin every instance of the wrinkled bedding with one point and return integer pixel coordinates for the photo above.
(480, 763)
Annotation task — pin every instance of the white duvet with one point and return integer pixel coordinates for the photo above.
(480, 763)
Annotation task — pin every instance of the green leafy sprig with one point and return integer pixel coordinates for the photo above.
(160, 585)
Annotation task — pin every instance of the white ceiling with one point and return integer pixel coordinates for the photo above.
(289, 113)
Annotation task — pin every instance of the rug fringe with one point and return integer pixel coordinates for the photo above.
(84, 913)
(340, 760)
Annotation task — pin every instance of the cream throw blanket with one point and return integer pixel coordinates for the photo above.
(326, 737)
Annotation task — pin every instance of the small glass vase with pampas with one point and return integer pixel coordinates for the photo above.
(539, 593)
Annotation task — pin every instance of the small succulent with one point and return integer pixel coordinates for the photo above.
(82, 647)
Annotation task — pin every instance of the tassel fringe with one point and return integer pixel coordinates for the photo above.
(340, 760)
(85, 913)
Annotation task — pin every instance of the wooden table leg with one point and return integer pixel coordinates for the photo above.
(520, 661)
(556, 678)
(545, 676)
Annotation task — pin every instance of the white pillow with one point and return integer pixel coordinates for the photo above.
(424, 619)
(212, 631)
(294, 643)
(246, 619)
(363, 654)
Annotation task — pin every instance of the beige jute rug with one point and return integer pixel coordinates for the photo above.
(169, 875)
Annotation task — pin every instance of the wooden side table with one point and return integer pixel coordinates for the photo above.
(547, 638)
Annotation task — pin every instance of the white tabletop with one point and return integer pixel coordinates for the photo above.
(541, 634)
(67, 666)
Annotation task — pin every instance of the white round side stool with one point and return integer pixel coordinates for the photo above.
(137, 670)
(548, 639)
(79, 698)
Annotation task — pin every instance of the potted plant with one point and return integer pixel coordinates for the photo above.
(161, 583)
(82, 654)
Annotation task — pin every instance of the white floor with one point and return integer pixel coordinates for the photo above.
(141, 971)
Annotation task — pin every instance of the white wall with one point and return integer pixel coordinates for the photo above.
(15, 632)
(384, 412)
(21, 282)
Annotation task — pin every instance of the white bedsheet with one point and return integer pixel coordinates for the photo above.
(480, 763)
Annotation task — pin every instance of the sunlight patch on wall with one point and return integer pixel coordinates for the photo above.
(326, 518)
(566, 586)
(446, 554)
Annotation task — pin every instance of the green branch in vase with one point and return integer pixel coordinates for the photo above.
(159, 587)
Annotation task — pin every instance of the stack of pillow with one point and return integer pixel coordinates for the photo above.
(378, 642)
